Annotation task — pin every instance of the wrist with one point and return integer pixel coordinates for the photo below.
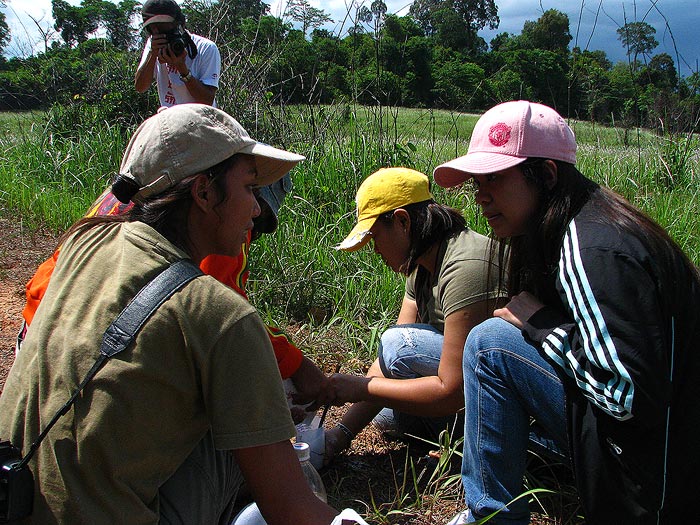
(186, 77)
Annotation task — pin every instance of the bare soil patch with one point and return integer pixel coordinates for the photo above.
(21, 251)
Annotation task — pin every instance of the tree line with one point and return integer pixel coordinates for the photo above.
(433, 57)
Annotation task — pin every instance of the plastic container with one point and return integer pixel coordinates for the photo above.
(251, 515)
(310, 473)
(313, 434)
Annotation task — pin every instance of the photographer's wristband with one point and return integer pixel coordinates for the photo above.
(186, 78)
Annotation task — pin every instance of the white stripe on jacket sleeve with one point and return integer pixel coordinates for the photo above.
(616, 393)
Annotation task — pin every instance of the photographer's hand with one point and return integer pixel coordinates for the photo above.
(159, 45)
(145, 72)
(177, 62)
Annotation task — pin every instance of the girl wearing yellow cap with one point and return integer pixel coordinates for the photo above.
(451, 287)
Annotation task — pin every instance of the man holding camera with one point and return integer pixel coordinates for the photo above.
(186, 66)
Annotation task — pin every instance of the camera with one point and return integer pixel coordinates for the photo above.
(16, 485)
(176, 42)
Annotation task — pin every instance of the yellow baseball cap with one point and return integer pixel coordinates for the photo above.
(383, 191)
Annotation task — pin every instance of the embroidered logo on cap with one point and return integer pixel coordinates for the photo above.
(499, 134)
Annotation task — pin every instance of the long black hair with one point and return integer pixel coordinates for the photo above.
(431, 222)
(532, 260)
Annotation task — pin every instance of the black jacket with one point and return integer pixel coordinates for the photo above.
(626, 339)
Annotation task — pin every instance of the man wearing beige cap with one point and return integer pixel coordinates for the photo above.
(186, 66)
(167, 429)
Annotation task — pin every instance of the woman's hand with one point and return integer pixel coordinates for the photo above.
(348, 388)
(520, 308)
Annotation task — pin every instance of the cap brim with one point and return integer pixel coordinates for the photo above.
(460, 169)
(358, 236)
(267, 221)
(272, 163)
(155, 19)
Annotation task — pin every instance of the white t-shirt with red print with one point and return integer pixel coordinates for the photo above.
(205, 67)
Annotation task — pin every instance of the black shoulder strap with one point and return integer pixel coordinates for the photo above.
(124, 328)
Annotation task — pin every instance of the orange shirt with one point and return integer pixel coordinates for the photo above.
(231, 271)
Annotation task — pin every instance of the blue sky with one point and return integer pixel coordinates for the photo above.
(593, 23)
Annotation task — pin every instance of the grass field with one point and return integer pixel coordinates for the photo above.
(51, 177)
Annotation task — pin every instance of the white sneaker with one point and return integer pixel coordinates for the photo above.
(461, 519)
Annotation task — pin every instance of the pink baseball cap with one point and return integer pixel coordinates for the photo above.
(507, 135)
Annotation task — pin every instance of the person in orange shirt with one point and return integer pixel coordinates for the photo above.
(306, 377)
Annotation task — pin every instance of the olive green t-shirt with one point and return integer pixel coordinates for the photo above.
(203, 361)
(463, 276)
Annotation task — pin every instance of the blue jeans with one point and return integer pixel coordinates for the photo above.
(506, 382)
(408, 351)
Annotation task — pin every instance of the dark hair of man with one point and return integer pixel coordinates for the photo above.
(166, 212)
(430, 223)
(533, 258)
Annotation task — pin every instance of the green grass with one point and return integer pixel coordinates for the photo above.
(51, 177)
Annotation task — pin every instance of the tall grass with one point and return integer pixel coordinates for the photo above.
(50, 175)
(52, 179)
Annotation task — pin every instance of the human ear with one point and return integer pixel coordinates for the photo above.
(403, 219)
(550, 173)
(201, 192)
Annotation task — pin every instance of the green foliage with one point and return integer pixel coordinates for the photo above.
(75, 23)
(460, 85)
(50, 179)
(431, 58)
(549, 32)
(4, 32)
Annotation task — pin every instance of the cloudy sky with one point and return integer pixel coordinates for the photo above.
(593, 23)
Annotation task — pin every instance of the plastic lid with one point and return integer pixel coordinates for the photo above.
(303, 451)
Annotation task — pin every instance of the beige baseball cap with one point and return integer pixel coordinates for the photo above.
(187, 139)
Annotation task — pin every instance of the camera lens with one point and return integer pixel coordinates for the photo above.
(177, 46)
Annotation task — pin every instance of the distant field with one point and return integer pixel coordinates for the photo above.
(53, 178)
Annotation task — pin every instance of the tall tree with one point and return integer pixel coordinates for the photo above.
(549, 32)
(477, 14)
(378, 9)
(638, 39)
(76, 23)
(660, 73)
(438, 17)
(117, 19)
(310, 17)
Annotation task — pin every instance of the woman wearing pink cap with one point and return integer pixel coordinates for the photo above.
(598, 340)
